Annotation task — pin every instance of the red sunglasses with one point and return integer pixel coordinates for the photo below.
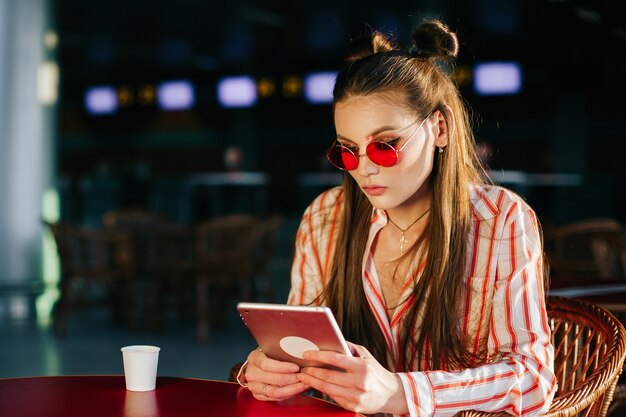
(380, 153)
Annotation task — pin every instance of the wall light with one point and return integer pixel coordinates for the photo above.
(240, 91)
(101, 100)
(498, 78)
(175, 95)
(318, 87)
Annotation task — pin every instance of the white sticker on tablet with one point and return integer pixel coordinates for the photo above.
(296, 346)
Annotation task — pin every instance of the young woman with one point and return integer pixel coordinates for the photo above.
(435, 276)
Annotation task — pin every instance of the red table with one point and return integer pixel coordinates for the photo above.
(106, 396)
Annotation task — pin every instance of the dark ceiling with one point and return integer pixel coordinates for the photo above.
(131, 40)
(202, 35)
(562, 44)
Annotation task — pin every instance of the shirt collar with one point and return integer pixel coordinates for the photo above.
(483, 202)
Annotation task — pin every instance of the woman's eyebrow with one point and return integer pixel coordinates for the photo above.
(374, 133)
(339, 137)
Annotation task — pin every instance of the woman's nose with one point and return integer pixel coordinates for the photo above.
(366, 166)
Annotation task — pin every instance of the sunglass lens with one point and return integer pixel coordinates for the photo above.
(382, 154)
(342, 158)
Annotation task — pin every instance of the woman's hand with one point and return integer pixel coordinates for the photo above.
(365, 386)
(272, 380)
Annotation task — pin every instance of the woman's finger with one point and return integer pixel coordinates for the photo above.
(269, 392)
(341, 378)
(261, 361)
(328, 386)
(334, 359)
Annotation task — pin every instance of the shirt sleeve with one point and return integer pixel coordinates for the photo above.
(519, 379)
(314, 239)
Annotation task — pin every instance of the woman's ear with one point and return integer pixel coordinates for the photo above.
(444, 125)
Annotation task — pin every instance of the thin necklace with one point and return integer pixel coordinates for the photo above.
(403, 238)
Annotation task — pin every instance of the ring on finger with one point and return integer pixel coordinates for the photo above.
(263, 391)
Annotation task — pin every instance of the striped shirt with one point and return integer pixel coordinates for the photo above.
(504, 311)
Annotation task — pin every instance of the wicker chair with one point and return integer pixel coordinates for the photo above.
(224, 249)
(151, 236)
(169, 268)
(590, 346)
(91, 258)
(262, 246)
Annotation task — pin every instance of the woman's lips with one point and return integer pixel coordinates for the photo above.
(374, 190)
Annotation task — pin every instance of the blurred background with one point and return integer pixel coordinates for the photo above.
(183, 113)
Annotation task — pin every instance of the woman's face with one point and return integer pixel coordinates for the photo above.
(386, 118)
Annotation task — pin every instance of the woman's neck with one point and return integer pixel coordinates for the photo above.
(404, 214)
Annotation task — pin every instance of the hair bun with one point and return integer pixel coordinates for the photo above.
(365, 46)
(433, 39)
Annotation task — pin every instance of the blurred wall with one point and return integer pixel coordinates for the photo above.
(25, 137)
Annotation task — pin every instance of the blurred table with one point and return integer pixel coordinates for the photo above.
(608, 294)
(218, 193)
(106, 396)
(508, 177)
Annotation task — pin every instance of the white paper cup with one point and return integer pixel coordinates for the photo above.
(140, 367)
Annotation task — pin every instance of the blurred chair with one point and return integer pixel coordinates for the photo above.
(141, 225)
(96, 265)
(593, 248)
(263, 243)
(590, 346)
(224, 251)
(133, 217)
(170, 268)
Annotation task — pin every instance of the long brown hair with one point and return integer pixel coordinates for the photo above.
(375, 66)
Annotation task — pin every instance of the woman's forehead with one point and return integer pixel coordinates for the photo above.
(387, 99)
(371, 112)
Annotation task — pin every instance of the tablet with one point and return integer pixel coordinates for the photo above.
(284, 332)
